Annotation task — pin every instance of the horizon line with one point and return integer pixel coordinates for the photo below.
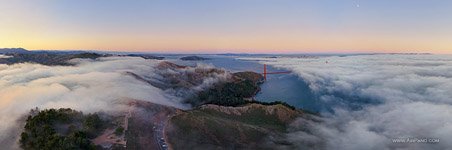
(184, 51)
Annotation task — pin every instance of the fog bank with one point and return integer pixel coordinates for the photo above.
(375, 99)
(89, 86)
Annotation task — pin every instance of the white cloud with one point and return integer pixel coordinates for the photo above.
(398, 96)
(90, 86)
(4, 56)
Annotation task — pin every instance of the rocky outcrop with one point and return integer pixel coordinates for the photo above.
(248, 75)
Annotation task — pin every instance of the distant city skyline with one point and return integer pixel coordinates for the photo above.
(229, 26)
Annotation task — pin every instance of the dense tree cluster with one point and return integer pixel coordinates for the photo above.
(234, 93)
(227, 94)
(60, 129)
(119, 130)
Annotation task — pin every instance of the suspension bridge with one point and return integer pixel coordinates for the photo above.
(265, 73)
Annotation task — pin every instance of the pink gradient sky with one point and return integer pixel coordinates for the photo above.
(252, 26)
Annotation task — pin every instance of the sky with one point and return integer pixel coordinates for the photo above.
(220, 26)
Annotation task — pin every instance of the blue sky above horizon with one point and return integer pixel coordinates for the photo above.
(261, 26)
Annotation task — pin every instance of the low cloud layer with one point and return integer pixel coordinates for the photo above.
(378, 98)
(4, 56)
(89, 86)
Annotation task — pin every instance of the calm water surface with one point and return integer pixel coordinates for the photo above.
(280, 87)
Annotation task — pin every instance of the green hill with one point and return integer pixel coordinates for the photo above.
(252, 126)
